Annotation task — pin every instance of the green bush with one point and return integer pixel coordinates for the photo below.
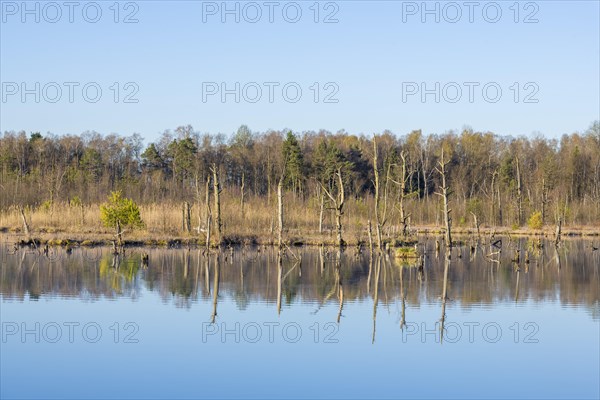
(120, 211)
(535, 221)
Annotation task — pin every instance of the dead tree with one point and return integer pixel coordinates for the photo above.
(445, 193)
(280, 213)
(519, 195)
(208, 214)
(321, 210)
(186, 220)
(544, 200)
(476, 220)
(402, 183)
(378, 218)
(217, 206)
(380, 211)
(25, 224)
(493, 197)
(403, 216)
(243, 193)
(338, 206)
(370, 235)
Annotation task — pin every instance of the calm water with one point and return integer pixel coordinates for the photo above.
(313, 324)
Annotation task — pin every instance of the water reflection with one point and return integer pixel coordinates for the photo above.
(474, 275)
(216, 281)
(444, 297)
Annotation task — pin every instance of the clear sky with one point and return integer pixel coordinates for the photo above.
(371, 63)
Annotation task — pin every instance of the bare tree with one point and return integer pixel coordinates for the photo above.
(445, 193)
(338, 206)
(280, 214)
(379, 219)
(217, 193)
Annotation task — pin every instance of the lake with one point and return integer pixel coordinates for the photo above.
(314, 323)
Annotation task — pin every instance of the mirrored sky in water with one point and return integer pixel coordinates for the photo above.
(329, 325)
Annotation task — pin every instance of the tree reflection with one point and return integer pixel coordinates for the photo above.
(447, 258)
(183, 277)
(216, 281)
(376, 296)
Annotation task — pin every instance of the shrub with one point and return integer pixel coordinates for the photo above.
(535, 221)
(120, 211)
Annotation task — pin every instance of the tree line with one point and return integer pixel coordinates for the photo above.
(491, 179)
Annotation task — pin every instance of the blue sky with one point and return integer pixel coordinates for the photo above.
(373, 63)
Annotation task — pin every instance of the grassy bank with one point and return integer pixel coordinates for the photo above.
(143, 238)
(63, 224)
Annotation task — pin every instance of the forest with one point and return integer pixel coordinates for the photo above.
(324, 180)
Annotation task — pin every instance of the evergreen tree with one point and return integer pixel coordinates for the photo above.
(294, 170)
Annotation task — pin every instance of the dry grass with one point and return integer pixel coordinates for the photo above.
(163, 222)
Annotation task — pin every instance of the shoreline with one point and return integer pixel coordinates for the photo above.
(144, 239)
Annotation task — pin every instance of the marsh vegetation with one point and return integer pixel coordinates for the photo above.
(333, 186)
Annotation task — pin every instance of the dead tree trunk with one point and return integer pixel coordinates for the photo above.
(217, 193)
(378, 222)
(476, 220)
(380, 212)
(370, 234)
(25, 224)
(186, 217)
(445, 193)
(519, 195)
(280, 213)
(404, 218)
(208, 214)
(243, 193)
(321, 211)
(339, 209)
(500, 214)
(119, 235)
(198, 204)
(338, 202)
(493, 202)
(544, 200)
